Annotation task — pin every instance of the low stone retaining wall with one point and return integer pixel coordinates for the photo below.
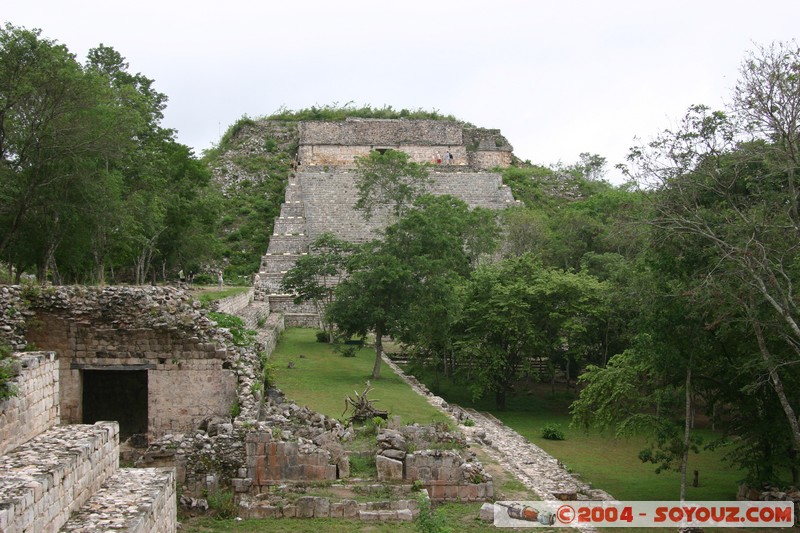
(51, 476)
(140, 500)
(319, 507)
(233, 305)
(35, 407)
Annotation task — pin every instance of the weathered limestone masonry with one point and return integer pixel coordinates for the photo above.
(67, 478)
(159, 334)
(35, 406)
(236, 304)
(338, 143)
(448, 475)
(321, 196)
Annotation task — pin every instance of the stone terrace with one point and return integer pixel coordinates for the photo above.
(67, 478)
(320, 201)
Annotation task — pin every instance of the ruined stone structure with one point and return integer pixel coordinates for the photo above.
(67, 478)
(339, 143)
(146, 357)
(321, 196)
(151, 360)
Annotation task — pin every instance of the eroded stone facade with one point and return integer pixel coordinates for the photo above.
(338, 143)
(159, 331)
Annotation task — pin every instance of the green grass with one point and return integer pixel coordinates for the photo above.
(603, 461)
(210, 294)
(322, 378)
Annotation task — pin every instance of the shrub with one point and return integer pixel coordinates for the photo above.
(241, 335)
(430, 521)
(235, 408)
(552, 432)
(322, 336)
(222, 503)
(7, 373)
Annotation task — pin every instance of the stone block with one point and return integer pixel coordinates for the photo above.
(468, 493)
(322, 508)
(405, 515)
(394, 454)
(241, 484)
(289, 511)
(369, 515)
(349, 509)
(344, 467)
(487, 512)
(305, 506)
(389, 469)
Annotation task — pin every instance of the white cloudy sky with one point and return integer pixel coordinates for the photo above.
(557, 77)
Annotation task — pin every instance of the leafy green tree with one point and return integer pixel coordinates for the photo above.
(442, 241)
(724, 194)
(394, 283)
(388, 179)
(58, 123)
(89, 180)
(719, 196)
(373, 298)
(517, 310)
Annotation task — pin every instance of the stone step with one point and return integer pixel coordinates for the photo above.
(134, 500)
(45, 480)
(254, 313)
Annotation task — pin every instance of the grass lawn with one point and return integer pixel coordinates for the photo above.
(601, 460)
(322, 378)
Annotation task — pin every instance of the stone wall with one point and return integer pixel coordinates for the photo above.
(339, 143)
(271, 461)
(491, 159)
(344, 156)
(159, 330)
(380, 132)
(140, 500)
(233, 305)
(35, 407)
(54, 474)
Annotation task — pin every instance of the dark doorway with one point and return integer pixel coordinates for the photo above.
(119, 395)
(383, 151)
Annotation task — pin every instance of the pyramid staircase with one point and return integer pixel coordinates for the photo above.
(321, 200)
(66, 478)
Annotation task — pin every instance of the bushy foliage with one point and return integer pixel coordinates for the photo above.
(7, 373)
(430, 520)
(552, 432)
(341, 112)
(241, 335)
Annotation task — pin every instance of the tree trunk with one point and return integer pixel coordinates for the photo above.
(376, 370)
(777, 383)
(500, 400)
(687, 429)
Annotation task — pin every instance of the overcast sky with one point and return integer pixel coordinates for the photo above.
(557, 78)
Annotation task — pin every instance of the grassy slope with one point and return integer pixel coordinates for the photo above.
(607, 463)
(322, 379)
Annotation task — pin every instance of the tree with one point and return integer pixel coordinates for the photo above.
(393, 283)
(89, 181)
(518, 310)
(57, 124)
(389, 180)
(314, 277)
(373, 297)
(726, 182)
